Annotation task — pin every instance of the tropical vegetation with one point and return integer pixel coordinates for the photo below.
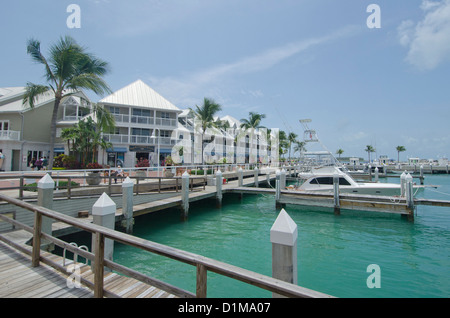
(205, 114)
(67, 69)
(399, 149)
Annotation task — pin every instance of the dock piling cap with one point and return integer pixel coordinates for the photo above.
(127, 183)
(284, 230)
(46, 182)
(104, 206)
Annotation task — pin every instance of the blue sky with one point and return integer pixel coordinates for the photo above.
(288, 59)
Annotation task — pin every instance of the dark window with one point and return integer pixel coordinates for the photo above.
(328, 181)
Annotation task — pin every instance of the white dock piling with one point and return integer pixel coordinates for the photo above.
(283, 179)
(127, 205)
(337, 206)
(283, 236)
(219, 188)
(256, 172)
(185, 195)
(45, 199)
(277, 188)
(104, 214)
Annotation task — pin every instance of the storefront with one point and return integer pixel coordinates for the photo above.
(116, 156)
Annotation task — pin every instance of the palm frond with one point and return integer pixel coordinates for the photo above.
(34, 49)
(88, 81)
(32, 91)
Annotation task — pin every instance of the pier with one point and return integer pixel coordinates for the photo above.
(100, 263)
(29, 227)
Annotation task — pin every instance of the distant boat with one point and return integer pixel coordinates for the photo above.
(317, 173)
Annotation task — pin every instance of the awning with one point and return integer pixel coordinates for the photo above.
(118, 149)
(165, 151)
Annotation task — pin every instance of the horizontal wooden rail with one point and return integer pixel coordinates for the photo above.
(203, 264)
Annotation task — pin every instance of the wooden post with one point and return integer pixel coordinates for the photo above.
(201, 289)
(240, 177)
(337, 205)
(99, 250)
(219, 188)
(127, 205)
(256, 171)
(36, 240)
(277, 189)
(185, 195)
(45, 199)
(421, 174)
(104, 214)
(283, 236)
(21, 182)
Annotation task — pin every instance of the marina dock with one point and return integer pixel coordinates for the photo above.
(144, 286)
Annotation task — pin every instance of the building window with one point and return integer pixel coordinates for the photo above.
(141, 112)
(4, 125)
(165, 115)
(114, 110)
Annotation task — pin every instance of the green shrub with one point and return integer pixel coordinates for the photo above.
(32, 187)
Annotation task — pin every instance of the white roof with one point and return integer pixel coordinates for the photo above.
(233, 121)
(139, 94)
(15, 95)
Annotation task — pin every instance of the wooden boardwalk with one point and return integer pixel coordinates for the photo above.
(18, 279)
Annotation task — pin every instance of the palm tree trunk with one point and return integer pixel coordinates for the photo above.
(53, 132)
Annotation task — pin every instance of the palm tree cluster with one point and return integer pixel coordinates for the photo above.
(85, 137)
(286, 142)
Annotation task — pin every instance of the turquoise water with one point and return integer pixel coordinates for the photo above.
(333, 251)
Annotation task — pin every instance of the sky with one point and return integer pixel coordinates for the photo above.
(364, 76)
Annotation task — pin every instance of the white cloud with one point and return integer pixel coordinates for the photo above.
(428, 41)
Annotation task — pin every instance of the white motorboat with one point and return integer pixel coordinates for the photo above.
(321, 180)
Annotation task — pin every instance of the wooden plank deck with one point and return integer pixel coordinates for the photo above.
(19, 280)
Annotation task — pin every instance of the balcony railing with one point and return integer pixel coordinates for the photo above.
(9, 135)
(144, 120)
(135, 139)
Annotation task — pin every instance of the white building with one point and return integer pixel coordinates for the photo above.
(24, 131)
(144, 124)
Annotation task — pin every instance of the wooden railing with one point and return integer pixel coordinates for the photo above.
(163, 183)
(202, 264)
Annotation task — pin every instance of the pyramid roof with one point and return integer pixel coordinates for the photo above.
(139, 94)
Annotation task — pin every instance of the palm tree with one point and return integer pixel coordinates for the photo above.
(68, 69)
(253, 121)
(292, 137)
(339, 152)
(369, 149)
(399, 149)
(283, 142)
(299, 146)
(205, 115)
